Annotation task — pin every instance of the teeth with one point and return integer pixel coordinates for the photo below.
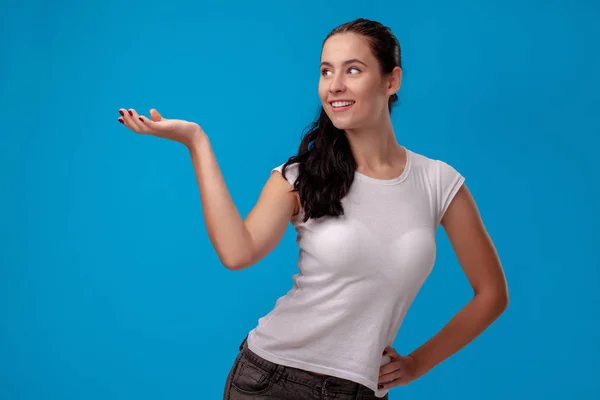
(342, 103)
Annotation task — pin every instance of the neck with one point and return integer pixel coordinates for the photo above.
(375, 148)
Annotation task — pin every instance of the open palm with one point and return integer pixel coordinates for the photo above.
(173, 129)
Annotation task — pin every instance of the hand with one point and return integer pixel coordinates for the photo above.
(401, 370)
(173, 129)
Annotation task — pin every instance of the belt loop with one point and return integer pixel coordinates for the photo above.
(277, 374)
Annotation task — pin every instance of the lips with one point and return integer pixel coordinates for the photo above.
(341, 105)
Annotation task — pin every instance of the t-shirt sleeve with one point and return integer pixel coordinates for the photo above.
(291, 172)
(448, 181)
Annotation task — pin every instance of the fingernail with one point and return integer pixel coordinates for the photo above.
(141, 119)
(130, 113)
(121, 121)
(121, 112)
(379, 386)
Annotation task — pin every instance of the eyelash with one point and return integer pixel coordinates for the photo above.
(325, 70)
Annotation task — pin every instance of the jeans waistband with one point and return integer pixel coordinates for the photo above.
(308, 378)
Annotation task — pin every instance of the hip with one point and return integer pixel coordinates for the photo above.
(253, 377)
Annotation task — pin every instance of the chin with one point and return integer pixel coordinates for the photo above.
(343, 125)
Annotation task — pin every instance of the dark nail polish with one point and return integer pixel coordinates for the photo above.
(121, 121)
(121, 112)
(141, 119)
(130, 113)
(379, 386)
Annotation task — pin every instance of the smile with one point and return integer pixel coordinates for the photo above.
(338, 106)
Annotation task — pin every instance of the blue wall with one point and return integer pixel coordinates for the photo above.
(109, 287)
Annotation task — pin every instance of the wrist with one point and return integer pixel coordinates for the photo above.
(198, 139)
(418, 366)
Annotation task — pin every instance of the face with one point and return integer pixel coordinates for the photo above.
(353, 92)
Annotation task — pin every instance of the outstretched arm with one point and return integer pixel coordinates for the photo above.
(239, 242)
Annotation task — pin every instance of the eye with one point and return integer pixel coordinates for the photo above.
(325, 71)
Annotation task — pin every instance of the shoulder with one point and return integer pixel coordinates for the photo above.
(441, 179)
(290, 172)
(292, 168)
(434, 169)
(426, 163)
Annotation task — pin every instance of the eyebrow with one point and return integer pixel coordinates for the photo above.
(351, 61)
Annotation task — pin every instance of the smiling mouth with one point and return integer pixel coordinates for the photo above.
(341, 105)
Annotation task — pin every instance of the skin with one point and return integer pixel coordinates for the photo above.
(241, 243)
(367, 124)
(372, 139)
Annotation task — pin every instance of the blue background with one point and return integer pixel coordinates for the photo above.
(109, 287)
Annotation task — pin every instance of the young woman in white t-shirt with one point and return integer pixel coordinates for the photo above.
(366, 210)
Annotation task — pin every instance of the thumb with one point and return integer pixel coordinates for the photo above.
(155, 115)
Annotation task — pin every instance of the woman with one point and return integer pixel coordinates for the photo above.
(366, 210)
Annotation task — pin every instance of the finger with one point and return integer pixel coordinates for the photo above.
(136, 122)
(389, 385)
(389, 351)
(401, 381)
(150, 125)
(131, 122)
(121, 119)
(389, 367)
(386, 378)
(155, 115)
(399, 365)
(127, 119)
(392, 380)
(160, 128)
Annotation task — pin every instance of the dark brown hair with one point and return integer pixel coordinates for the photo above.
(326, 165)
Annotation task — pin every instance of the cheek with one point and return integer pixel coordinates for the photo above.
(363, 92)
(372, 100)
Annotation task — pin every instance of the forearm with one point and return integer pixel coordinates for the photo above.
(225, 226)
(466, 325)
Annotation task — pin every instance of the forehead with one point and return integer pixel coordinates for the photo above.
(343, 46)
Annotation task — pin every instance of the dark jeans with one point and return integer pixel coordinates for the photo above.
(254, 378)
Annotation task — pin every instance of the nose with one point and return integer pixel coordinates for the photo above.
(336, 84)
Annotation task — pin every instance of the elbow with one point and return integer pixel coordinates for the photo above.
(236, 262)
(497, 299)
(500, 302)
(502, 297)
(234, 265)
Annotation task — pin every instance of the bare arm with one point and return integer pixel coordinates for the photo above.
(478, 258)
(239, 242)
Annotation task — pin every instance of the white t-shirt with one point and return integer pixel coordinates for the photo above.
(358, 273)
